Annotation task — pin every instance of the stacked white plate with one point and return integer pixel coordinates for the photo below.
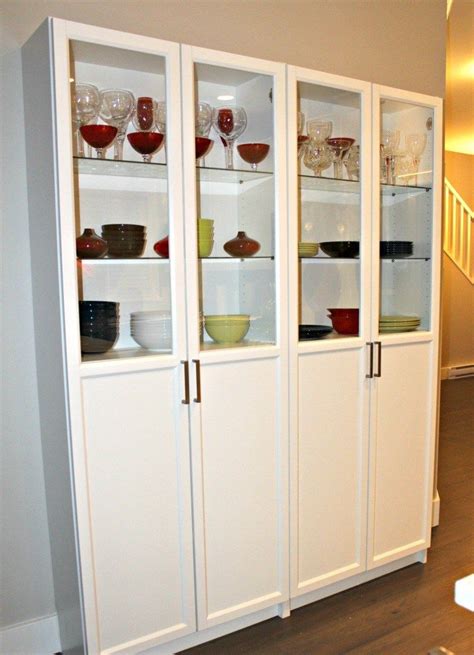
(151, 330)
(307, 249)
(399, 323)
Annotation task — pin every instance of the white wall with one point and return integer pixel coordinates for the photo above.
(394, 42)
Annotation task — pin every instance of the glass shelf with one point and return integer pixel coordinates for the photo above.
(119, 260)
(398, 189)
(123, 353)
(139, 169)
(314, 183)
(340, 260)
(238, 259)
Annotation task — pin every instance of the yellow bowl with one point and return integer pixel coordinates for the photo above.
(227, 318)
(222, 332)
(205, 247)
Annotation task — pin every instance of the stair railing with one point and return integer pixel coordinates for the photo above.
(458, 231)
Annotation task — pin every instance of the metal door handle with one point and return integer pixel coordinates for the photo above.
(198, 380)
(186, 382)
(370, 374)
(379, 360)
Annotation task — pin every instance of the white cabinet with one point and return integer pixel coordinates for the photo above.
(166, 445)
(362, 398)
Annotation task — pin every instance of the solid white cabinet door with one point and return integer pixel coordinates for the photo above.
(139, 498)
(241, 507)
(329, 532)
(402, 444)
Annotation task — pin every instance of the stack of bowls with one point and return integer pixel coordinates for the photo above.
(99, 321)
(345, 320)
(151, 330)
(205, 236)
(227, 328)
(124, 239)
(307, 249)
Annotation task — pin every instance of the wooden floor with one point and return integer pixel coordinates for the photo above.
(408, 612)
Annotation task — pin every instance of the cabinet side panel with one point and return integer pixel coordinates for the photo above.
(139, 499)
(49, 338)
(401, 485)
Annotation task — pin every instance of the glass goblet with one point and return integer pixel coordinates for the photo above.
(317, 156)
(146, 143)
(389, 144)
(203, 119)
(99, 137)
(339, 146)
(416, 144)
(229, 123)
(160, 116)
(352, 162)
(85, 109)
(319, 130)
(116, 108)
(143, 117)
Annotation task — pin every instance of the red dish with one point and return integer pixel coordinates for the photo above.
(162, 248)
(203, 145)
(99, 136)
(146, 143)
(253, 153)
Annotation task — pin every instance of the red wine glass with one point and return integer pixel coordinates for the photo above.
(99, 137)
(229, 123)
(146, 143)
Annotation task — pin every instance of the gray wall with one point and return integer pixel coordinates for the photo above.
(400, 43)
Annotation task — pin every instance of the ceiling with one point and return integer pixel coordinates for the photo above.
(459, 108)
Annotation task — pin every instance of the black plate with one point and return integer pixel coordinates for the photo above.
(310, 332)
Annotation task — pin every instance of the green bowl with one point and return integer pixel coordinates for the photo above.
(222, 332)
(226, 318)
(205, 248)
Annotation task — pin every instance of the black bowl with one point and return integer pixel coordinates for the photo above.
(98, 304)
(342, 249)
(307, 332)
(123, 227)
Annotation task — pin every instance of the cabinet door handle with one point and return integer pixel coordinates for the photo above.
(370, 374)
(185, 401)
(379, 360)
(198, 380)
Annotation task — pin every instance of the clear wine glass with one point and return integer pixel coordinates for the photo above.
(229, 123)
(339, 146)
(116, 108)
(160, 116)
(389, 144)
(352, 162)
(416, 144)
(317, 156)
(203, 122)
(319, 130)
(85, 109)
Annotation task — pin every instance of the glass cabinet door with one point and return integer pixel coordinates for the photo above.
(125, 133)
(330, 138)
(404, 162)
(233, 242)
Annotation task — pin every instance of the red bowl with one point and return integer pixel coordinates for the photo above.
(99, 136)
(344, 311)
(146, 143)
(345, 324)
(203, 145)
(253, 153)
(162, 248)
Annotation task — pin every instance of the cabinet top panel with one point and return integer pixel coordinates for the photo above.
(94, 53)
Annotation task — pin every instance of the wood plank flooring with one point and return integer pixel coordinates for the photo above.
(409, 612)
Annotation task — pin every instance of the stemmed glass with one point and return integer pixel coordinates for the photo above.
(389, 144)
(339, 147)
(143, 117)
(160, 116)
(302, 138)
(317, 156)
(99, 137)
(85, 109)
(203, 124)
(116, 108)
(229, 123)
(416, 144)
(319, 130)
(352, 162)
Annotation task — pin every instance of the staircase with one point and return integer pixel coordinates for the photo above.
(458, 231)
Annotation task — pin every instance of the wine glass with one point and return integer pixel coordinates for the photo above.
(339, 146)
(352, 162)
(146, 143)
(160, 116)
(416, 144)
(99, 137)
(85, 109)
(229, 123)
(116, 108)
(203, 123)
(389, 144)
(143, 117)
(302, 138)
(317, 156)
(319, 130)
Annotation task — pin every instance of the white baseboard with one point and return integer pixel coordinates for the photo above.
(38, 637)
(435, 510)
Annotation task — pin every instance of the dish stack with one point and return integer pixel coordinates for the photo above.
(205, 236)
(124, 239)
(151, 330)
(99, 325)
(307, 249)
(399, 323)
(396, 249)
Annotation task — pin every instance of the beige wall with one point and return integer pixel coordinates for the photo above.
(400, 43)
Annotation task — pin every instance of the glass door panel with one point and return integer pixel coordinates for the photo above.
(121, 201)
(329, 204)
(234, 132)
(406, 234)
